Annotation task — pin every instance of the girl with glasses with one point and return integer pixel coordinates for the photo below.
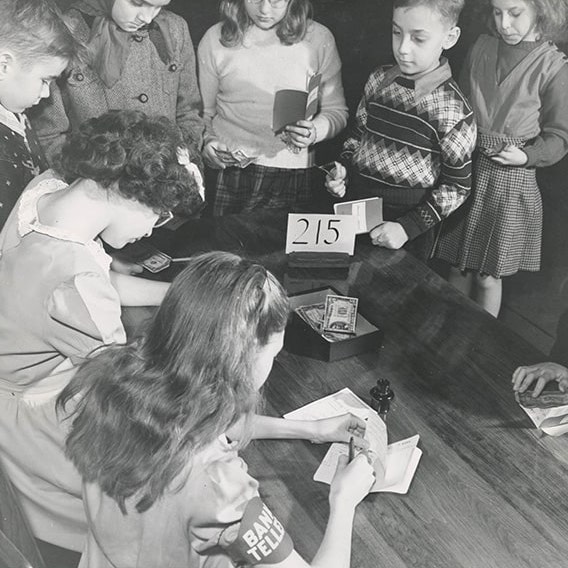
(156, 426)
(115, 177)
(258, 48)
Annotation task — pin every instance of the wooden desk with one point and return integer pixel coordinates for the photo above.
(488, 491)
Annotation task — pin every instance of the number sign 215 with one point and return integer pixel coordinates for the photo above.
(320, 233)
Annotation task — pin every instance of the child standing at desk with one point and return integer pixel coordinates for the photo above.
(414, 132)
(517, 82)
(35, 47)
(259, 47)
(157, 424)
(139, 57)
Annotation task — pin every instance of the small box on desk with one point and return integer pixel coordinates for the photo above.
(303, 339)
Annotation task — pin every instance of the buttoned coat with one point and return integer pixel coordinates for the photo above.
(148, 83)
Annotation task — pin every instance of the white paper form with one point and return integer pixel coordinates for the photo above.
(394, 465)
(552, 421)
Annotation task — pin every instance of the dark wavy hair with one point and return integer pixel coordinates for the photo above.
(450, 10)
(292, 29)
(142, 410)
(135, 155)
(34, 30)
(551, 17)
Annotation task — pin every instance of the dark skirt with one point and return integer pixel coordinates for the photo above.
(236, 190)
(499, 230)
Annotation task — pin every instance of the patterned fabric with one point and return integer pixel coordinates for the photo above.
(411, 144)
(147, 84)
(260, 187)
(20, 160)
(499, 232)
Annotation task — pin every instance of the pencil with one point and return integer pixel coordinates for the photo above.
(351, 449)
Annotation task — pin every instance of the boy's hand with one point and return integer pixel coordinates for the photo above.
(335, 180)
(210, 156)
(302, 134)
(389, 234)
(511, 156)
(542, 373)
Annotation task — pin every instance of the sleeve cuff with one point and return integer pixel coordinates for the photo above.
(419, 220)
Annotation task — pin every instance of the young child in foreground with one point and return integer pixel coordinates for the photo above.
(414, 132)
(35, 48)
(157, 425)
(516, 80)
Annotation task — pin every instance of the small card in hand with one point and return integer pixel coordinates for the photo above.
(340, 314)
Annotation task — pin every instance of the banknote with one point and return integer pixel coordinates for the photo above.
(340, 314)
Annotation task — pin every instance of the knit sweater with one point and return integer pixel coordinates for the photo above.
(238, 85)
(411, 144)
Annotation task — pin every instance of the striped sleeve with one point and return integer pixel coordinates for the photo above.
(454, 184)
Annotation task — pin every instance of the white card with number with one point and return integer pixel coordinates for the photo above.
(321, 233)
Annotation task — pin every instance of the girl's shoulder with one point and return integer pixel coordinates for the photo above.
(212, 36)
(319, 32)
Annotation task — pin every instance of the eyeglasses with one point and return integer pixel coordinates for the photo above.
(163, 218)
(273, 3)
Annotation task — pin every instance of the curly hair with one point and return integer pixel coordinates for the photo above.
(143, 409)
(450, 10)
(551, 17)
(292, 29)
(135, 155)
(34, 30)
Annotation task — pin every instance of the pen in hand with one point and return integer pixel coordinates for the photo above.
(351, 449)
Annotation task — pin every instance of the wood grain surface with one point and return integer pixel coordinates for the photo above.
(488, 492)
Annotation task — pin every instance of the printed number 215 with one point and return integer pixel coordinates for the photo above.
(329, 230)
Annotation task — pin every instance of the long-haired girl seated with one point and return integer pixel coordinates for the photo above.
(156, 426)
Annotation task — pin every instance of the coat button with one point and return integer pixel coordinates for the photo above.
(138, 38)
(173, 67)
(79, 76)
(143, 97)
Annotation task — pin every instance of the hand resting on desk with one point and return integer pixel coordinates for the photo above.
(542, 373)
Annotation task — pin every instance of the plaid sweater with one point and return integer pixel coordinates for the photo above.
(411, 144)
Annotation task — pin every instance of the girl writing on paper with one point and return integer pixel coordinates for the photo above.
(156, 426)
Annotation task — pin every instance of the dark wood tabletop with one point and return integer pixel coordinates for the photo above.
(488, 492)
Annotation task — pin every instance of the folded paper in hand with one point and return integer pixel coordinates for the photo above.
(394, 464)
(368, 212)
(291, 105)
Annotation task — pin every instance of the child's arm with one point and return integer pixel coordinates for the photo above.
(50, 122)
(552, 143)
(188, 106)
(336, 429)
(209, 86)
(454, 182)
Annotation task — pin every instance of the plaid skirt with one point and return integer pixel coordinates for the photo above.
(236, 190)
(498, 231)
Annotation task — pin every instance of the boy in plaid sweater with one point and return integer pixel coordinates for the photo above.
(413, 133)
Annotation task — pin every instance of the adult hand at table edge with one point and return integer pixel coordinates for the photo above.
(340, 429)
(542, 373)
